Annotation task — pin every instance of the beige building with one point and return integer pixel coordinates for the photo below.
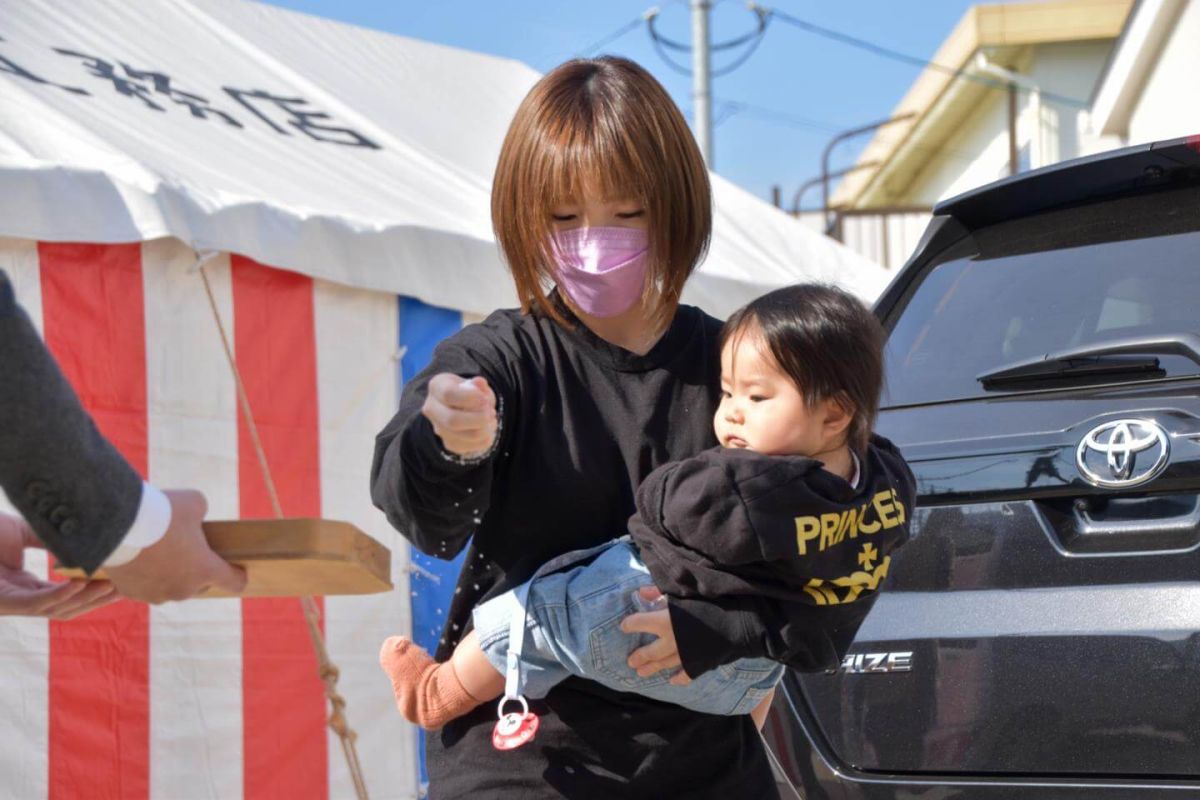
(1148, 90)
(1012, 92)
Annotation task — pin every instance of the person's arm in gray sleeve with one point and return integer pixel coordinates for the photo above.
(78, 495)
(74, 489)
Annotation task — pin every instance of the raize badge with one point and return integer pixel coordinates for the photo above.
(515, 728)
(877, 663)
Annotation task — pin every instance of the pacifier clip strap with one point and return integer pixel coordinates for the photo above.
(515, 728)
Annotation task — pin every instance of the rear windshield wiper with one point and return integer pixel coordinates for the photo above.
(1131, 357)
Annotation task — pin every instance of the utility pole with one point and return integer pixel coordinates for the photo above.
(701, 87)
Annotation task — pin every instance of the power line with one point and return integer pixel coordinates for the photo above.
(896, 55)
(684, 47)
(612, 37)
(645, 16)
(662, 53)
(744, 57)
(752, 39)
(733, 107)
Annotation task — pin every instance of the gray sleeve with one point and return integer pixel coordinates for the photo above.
(75, 490)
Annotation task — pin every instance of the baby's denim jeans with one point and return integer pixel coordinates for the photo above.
(572, 627)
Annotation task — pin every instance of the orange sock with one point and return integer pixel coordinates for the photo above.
(427, 693)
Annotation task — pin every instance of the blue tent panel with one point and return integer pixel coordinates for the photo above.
(432, 581)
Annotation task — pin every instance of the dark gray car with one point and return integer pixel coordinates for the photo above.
(1040, 634)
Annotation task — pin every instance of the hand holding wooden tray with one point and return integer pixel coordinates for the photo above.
(294, 558)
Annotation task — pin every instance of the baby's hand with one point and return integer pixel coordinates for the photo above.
(663, 652)
(463, 413)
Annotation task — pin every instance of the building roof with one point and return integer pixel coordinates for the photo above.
(1131, 63)
(939, 99)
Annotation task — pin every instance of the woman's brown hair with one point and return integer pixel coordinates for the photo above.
(606, 124)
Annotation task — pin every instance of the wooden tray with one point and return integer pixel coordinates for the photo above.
(295, 557)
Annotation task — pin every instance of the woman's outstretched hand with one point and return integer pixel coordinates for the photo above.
(463, 413)
(662, 653)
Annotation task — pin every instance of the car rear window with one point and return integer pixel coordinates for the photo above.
(977, 313)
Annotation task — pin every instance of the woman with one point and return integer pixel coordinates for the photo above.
(528, 434)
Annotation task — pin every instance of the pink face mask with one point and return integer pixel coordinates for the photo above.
(602, 269)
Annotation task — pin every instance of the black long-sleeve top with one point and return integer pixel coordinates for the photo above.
(583, 423)
(799, 551)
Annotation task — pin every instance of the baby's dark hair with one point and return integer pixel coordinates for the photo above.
(826, 341)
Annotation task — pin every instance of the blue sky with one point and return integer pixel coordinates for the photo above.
(797, 88)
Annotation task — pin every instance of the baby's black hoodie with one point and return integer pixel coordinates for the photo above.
(775, 551)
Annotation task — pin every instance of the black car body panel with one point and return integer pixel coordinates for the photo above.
(1039, 636)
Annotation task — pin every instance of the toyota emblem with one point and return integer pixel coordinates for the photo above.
(1122, 453)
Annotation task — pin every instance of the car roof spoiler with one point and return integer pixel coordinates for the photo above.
(1116, 172)
(1130, 170)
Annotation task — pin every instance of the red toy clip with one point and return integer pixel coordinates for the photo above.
(514, 729)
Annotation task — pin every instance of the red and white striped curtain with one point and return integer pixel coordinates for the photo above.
(210, 698)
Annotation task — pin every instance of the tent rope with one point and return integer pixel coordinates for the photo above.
(327, 670)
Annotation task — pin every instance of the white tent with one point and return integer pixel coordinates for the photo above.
(341, 153)
(134, 136)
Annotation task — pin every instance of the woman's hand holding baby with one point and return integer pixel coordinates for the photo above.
(663, 652)
(463, 413)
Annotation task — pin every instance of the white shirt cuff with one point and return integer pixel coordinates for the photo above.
(151, 523)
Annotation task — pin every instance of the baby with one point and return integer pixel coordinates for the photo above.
(794, 516)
